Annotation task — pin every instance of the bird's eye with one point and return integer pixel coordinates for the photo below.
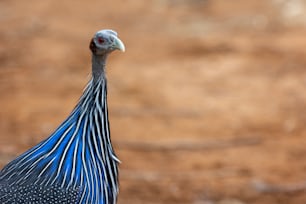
(101, 40)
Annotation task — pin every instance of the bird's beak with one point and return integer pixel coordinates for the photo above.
(118, 44)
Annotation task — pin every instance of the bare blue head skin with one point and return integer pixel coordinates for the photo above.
(103, 43)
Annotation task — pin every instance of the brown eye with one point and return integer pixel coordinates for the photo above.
(101, 40)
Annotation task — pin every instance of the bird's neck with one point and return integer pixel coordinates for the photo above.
(98, 66)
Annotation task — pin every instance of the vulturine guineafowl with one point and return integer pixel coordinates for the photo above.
(77, 163)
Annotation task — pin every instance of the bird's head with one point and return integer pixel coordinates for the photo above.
(105, 41)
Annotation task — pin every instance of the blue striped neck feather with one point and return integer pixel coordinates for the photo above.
(79, 154)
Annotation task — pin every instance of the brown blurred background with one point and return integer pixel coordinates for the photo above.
(207, 105)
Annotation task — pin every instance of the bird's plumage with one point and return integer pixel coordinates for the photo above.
(77, 163)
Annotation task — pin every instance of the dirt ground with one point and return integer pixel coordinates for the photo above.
(207, 104)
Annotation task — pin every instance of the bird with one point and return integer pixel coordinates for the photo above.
(76, 163)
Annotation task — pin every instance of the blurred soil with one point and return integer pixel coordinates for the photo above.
(207, 105)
